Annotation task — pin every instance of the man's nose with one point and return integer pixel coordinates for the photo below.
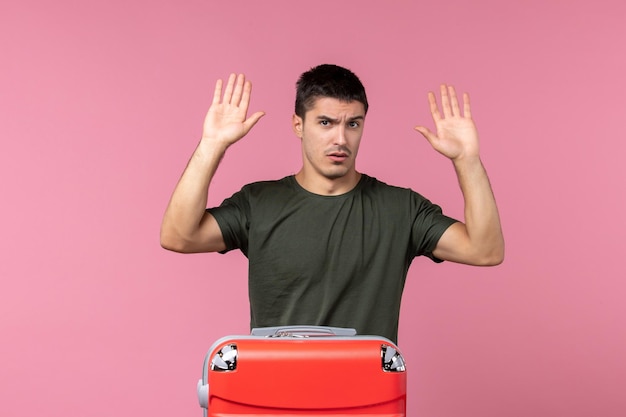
(340, 137)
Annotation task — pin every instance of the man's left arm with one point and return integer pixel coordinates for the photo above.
(479, 240)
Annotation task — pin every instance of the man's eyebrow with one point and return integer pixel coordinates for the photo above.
(323, 117)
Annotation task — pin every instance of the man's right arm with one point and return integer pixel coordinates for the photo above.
(186, 226)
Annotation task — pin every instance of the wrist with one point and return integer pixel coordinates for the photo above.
(466, 160)
(212, 144)
(210, 150)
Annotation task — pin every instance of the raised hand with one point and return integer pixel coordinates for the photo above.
(456, 136)
(227, 121)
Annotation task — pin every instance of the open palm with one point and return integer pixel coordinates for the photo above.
(226, 119)
(456, 135)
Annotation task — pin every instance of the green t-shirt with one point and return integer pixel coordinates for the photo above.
(329, 260)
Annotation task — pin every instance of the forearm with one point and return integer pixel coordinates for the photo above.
(482, 220)
(186, 208)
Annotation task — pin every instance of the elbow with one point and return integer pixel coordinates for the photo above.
(492, 252)
(494, 257)
(169, 244)
(476, 256)
(175, 242)
(500, 258)
(494, 260)
(486, 255)
(172, 243)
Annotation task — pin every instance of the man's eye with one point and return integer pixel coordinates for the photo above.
(353, 124)
(324, 122)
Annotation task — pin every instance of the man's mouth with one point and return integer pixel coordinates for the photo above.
(337, 156)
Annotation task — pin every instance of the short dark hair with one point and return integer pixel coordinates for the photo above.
(328, 80)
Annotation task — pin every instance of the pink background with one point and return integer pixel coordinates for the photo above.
(101, 104)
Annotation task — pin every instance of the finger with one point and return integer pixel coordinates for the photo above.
(228, 93)
(467, 112)
(430, 136)
(454, 102)
(238, 90)
(252, 120)
(217, 93)
(434, 109)
(445, 101)
(245, 95)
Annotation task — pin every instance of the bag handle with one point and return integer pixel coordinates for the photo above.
(302, 331)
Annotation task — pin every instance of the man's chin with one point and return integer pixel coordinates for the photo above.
(338, 173)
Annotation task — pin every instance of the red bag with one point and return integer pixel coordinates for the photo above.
(303, 371)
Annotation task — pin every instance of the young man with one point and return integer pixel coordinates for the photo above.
(330, 245)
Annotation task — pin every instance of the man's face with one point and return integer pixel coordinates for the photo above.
(331, 134)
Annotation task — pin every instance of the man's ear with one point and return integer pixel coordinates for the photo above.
(297, 125)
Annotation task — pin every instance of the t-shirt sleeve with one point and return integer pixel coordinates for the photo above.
(232, 216)
(428, 226)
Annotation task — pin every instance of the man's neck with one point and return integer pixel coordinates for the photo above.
(321, 185)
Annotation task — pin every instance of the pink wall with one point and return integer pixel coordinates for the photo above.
(101, 104)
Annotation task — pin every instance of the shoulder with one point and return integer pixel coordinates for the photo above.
(271, 185)
(259, 197)
(268, 189)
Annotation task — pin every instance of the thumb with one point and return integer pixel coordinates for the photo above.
(430, 136)
(252, 120)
